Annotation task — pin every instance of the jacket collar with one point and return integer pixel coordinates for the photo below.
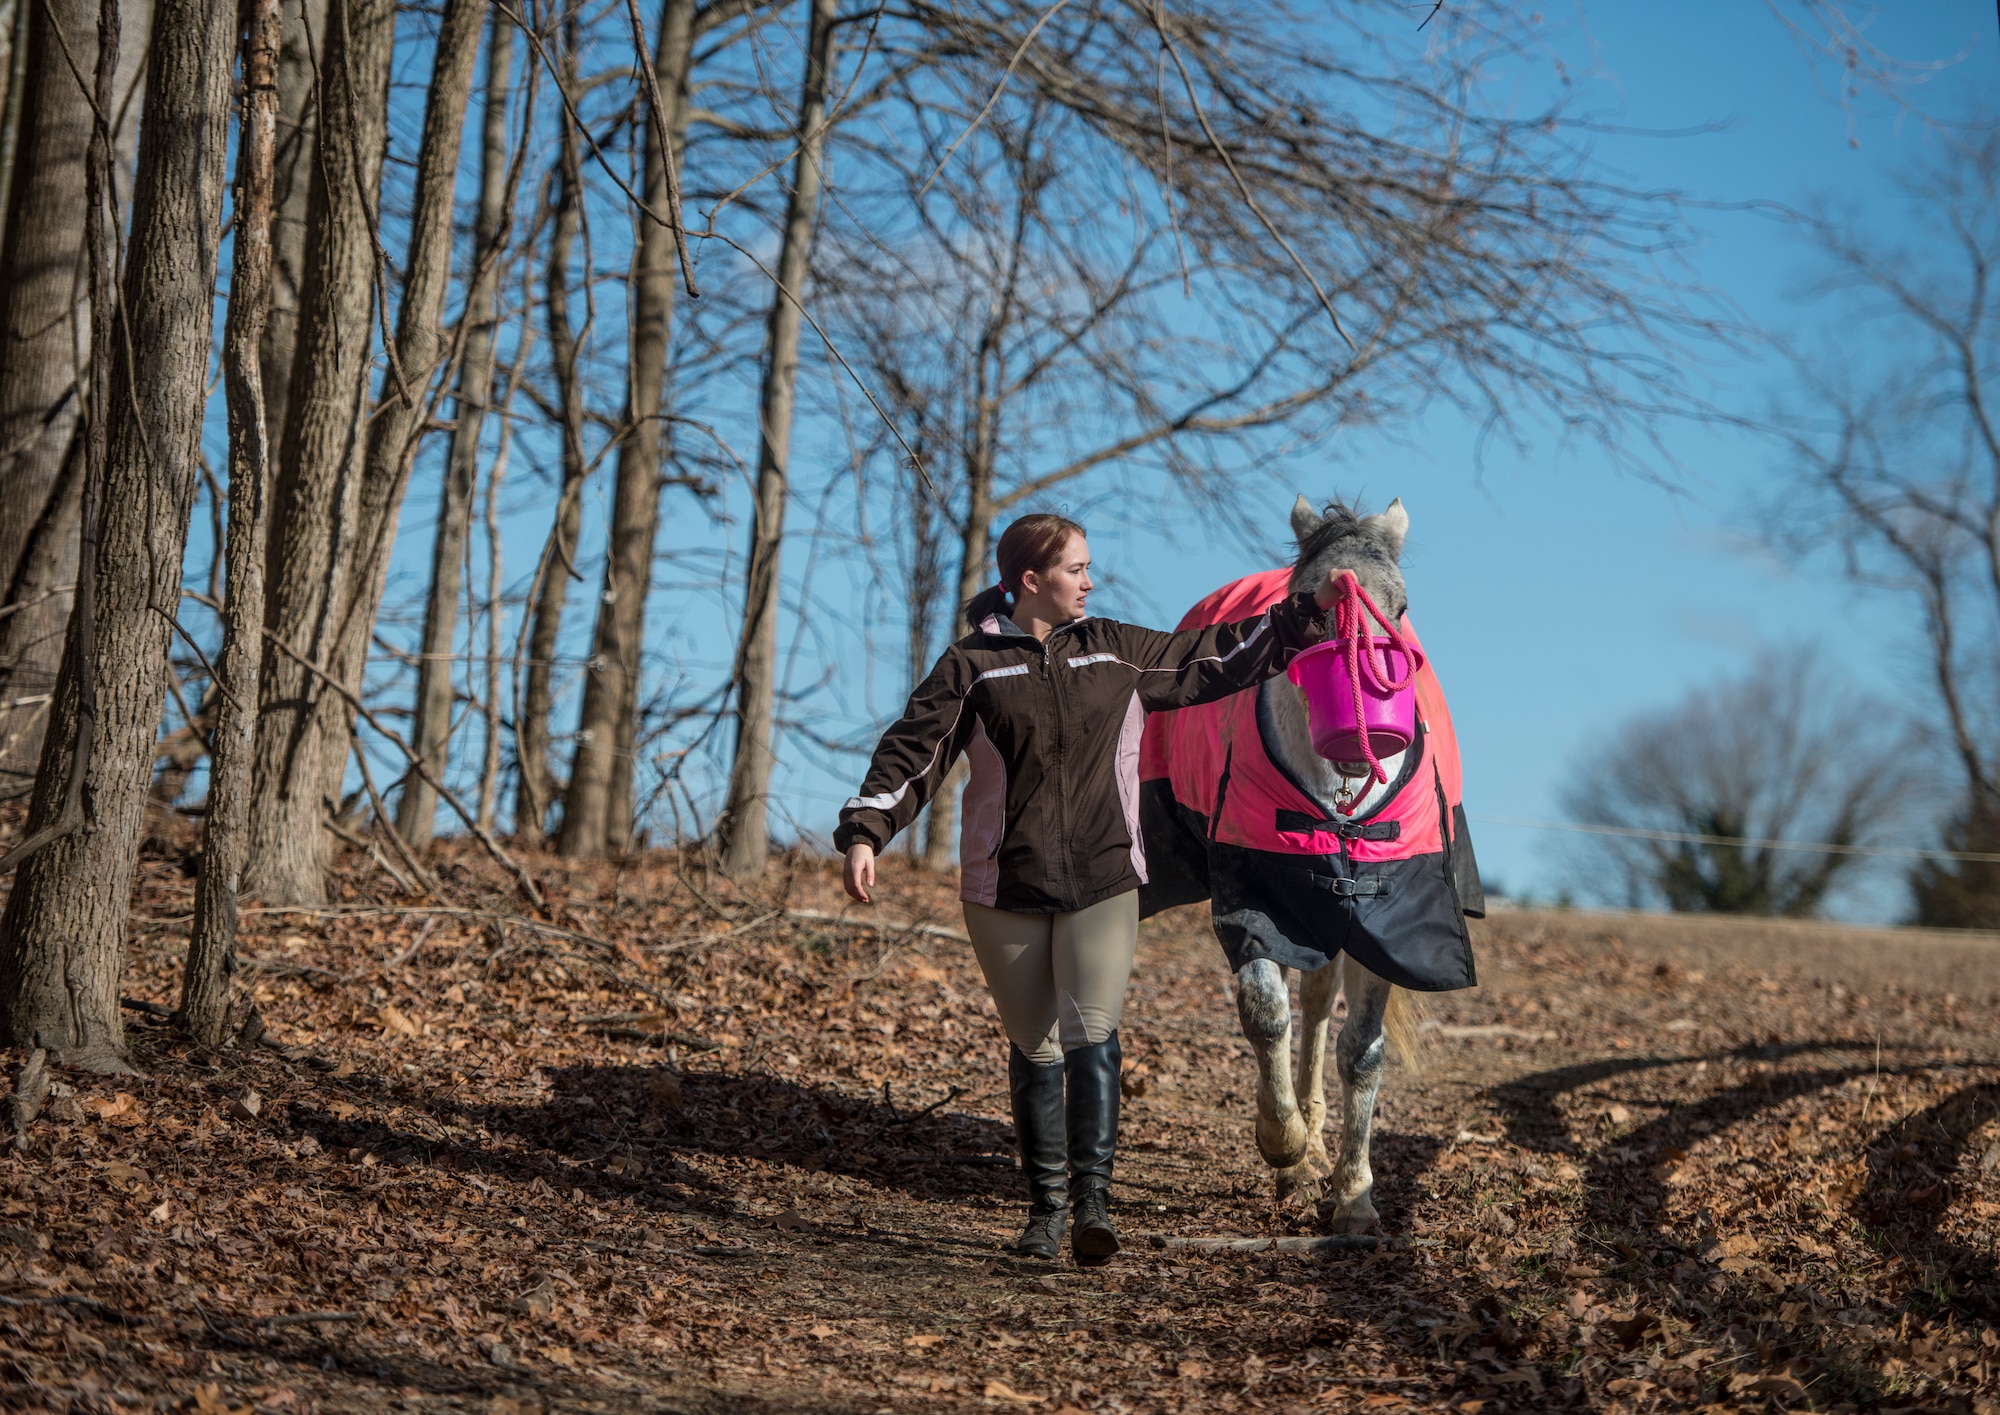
(1001, 627)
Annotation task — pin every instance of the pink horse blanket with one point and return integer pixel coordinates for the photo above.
(1286, 879)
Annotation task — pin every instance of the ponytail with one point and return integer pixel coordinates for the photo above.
(990, 601)
(1035, 542)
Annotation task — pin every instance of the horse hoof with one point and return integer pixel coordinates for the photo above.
(1300, 1183)
(1359, 1218)
(1285, 1149)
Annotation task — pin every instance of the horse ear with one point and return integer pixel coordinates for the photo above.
(1305, 520)
(1394, 524)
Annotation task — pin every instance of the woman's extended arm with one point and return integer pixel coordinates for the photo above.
(1200, 665)
(910, 761)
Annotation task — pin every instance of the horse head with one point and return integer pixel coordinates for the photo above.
(1337, 538)
(1340, 539)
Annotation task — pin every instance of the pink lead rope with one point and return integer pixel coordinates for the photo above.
(1348, 626)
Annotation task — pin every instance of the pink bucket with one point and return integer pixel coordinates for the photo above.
(1390, 718)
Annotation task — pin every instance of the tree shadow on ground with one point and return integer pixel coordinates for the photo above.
(1909, 1185)
(1903, 1196)
(624, 1130)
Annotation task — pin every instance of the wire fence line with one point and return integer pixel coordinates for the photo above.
(1821, 847)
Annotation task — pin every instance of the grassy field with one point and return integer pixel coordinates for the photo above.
(680, 1147)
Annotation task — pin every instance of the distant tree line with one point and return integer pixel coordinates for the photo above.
(1893, 464)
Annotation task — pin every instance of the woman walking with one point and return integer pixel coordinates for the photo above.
(1048, 705)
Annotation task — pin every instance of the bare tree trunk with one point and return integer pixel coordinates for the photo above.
(316, 506)
(62, 935)
(928, 602)
(43, 335)
(396, 427)
(558, 565)
(211, 959)
(298, 123)
(38, 605)
(40, 388)
(746, 841)
(597, 807)
(494, 608)
(416, 813)
(941, 824)
(18, 13)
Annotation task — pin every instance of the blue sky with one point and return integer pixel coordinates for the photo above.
(1558, 594)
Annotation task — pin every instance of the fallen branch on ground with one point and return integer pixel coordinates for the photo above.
(1325, 1243)
(292, 1319)
(813, 916)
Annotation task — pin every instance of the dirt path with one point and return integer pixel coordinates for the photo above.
(699, 1151)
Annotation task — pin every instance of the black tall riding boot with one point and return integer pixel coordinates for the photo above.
(1037, 1092)
(1092, 1073)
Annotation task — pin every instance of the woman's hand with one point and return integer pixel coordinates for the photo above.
(860, 873)
(1331, 589)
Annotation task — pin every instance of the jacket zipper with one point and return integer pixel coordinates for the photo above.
(1065, 825)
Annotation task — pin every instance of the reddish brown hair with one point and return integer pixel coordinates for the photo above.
(1034, 542)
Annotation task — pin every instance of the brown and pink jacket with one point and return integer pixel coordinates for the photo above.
(1052, 732)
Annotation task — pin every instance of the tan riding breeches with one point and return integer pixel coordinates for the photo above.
(1058, 980)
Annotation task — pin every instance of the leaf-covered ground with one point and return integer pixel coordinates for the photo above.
(682, 1147)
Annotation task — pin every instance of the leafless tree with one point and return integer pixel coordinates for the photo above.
(744, 832)
(416, 354)
(314, 512)
(538, 786)
(44, 344)
(1895, 460)
(597, 805)
(298, 127)
(204, 1009)
(63, 932)
(417, 811)
(1783, 753)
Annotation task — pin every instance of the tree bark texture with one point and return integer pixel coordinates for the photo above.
(398, 422)
(416, 813)
(44, 332)
(62, 935)
(941, 816)
(746, 841)
(38, 607)
(298, 124)
(597, 807)
(316, 507)
(558, 565)
(17, 15)
(211, 959)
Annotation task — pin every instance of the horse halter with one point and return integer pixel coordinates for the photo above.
(1362, 656)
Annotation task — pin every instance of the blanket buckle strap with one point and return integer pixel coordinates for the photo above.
(1341, 887)
(1299, 823)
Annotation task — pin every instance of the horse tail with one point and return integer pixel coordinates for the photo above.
(1402, 1026)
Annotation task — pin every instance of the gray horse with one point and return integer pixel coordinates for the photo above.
(1289, 888)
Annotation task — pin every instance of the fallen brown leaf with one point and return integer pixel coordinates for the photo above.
(1000, 1390)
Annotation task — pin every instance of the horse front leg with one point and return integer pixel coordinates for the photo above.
(1264, 1006)
(1361, 1058)
(1318, 991)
